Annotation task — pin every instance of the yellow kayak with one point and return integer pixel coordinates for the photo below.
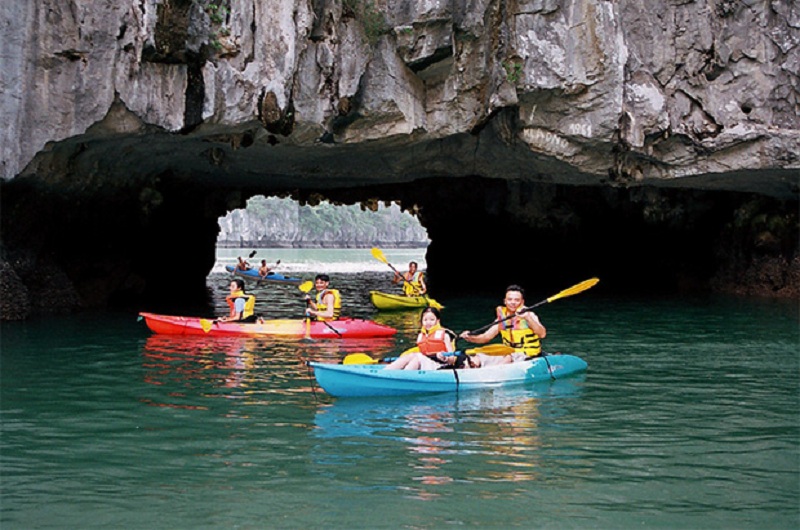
(394, 302)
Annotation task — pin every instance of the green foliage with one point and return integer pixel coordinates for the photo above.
(369, 15)
(217, 11)
(328, 222)
(513, 71)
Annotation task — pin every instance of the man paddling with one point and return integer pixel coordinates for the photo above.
(519, 328)
(328, 302)
(413, 281)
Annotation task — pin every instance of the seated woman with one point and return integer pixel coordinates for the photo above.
(433, 342)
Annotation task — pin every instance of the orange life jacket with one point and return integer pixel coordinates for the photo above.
(433, 340)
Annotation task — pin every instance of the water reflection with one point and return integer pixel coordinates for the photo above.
(191, 368)
(478, 437)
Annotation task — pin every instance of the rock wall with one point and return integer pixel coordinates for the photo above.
(277, 223)
(138, 123)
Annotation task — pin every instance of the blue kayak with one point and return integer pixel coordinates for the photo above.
(364, 380)
(252, 274)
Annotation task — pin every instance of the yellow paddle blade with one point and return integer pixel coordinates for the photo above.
(491, 349)
(409, 351)
(433, 303)
(575, 289)
(206, 324)
(306, 286)
(359, 358)
(378, 255)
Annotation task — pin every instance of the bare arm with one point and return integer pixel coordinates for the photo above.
(481, 338)
(328, 313)
(535, 324)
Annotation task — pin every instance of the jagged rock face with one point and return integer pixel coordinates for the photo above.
(127, 110)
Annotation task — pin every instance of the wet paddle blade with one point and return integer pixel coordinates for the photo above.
(378, 255)
(359, 358)
(491, 349)
(206, 324)
(306, 286)
(433, 303)
(575, 289)
(411, 350)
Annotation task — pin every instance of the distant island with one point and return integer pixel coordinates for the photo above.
(283, 223)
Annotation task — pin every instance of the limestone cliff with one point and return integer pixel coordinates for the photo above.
(131, 126)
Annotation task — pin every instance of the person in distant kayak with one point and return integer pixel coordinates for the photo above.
(413, 281)
(263, 270)
(243, 265)
(519, 327)
(328, 303)
(433, 342)
(242, 305)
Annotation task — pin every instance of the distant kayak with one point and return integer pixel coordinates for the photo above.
(395, 302)
(367, 380)
(332, 329)
(252, 274)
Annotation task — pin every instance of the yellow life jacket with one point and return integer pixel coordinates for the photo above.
(249, 303)
(413, 286)
(337, 303)
(517, 334)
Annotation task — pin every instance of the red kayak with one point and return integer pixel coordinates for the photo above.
(331, 329)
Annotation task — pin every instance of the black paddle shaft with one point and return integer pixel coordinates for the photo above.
(520, 312)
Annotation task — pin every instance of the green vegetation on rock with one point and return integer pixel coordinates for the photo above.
(274, 222)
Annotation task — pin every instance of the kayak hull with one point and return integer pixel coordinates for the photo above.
(397, 302)
(368, 380)
(271, 277)
(334, 329)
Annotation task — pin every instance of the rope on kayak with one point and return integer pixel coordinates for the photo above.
(313, 381)
(549, 368)
(455, 373)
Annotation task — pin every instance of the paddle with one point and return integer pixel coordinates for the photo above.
(359, 358)
(306, 287)
(363, 358)
(575, 289)
(491, 349)
(378, 255)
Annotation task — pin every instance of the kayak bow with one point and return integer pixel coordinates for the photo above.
(394, 302)
(332, 329)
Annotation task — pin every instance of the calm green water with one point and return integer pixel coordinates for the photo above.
(688, 417)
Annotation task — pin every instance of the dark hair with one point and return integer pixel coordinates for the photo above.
(432, 310)
(239, 283)
(515, 287)
(410, 263)
(323, 277)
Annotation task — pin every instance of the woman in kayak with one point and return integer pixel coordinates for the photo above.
(433, 342)
(242, 305)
